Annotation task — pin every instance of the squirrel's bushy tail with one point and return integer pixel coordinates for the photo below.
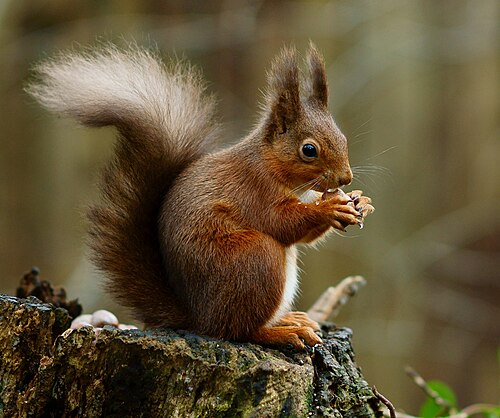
(164, 122)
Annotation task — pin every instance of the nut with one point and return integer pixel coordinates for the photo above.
(103, 317)
(328, 194)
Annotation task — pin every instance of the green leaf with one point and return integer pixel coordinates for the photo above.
(492, 413)
(429, 409)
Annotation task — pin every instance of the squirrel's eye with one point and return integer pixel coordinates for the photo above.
(308, 152)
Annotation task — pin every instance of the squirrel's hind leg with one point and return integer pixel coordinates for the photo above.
(300, 319)
(282, 335)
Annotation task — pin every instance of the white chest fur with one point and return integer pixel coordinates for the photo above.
(291, 284)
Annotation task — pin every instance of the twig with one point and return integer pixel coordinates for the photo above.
(467, 412)
(334, 298)
(431, 393)
(478, 408)
(443, 403)
(385, 401)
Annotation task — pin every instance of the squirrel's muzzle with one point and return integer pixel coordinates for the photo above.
(345, 178)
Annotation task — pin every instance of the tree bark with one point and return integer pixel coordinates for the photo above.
(49, 370)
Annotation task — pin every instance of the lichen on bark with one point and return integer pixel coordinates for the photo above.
(47, 372)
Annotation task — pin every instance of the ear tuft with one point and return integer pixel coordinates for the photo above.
(283, 94)
(317, 73)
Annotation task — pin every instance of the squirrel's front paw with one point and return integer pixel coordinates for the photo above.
(341, 209)
(362, 204)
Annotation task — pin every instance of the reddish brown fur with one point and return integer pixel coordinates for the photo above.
(217, 264)
(230, 215)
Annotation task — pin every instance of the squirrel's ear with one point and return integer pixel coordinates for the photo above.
(283, 95)
(318, 85)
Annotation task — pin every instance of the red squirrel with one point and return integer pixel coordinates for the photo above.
(199, 238)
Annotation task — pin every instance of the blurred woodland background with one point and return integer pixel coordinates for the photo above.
(414, 86)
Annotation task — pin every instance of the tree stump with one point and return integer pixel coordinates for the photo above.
(49, 370)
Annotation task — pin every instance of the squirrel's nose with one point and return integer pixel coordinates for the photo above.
(345, 179)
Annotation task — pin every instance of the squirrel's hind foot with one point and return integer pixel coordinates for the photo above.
(300, 319)
(283, 335)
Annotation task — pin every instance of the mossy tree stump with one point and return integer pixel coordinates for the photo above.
(48, 370)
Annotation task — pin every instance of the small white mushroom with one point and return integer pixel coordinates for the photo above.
(126, 326)
(103, 317)
(81, 321)
(82, 324)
